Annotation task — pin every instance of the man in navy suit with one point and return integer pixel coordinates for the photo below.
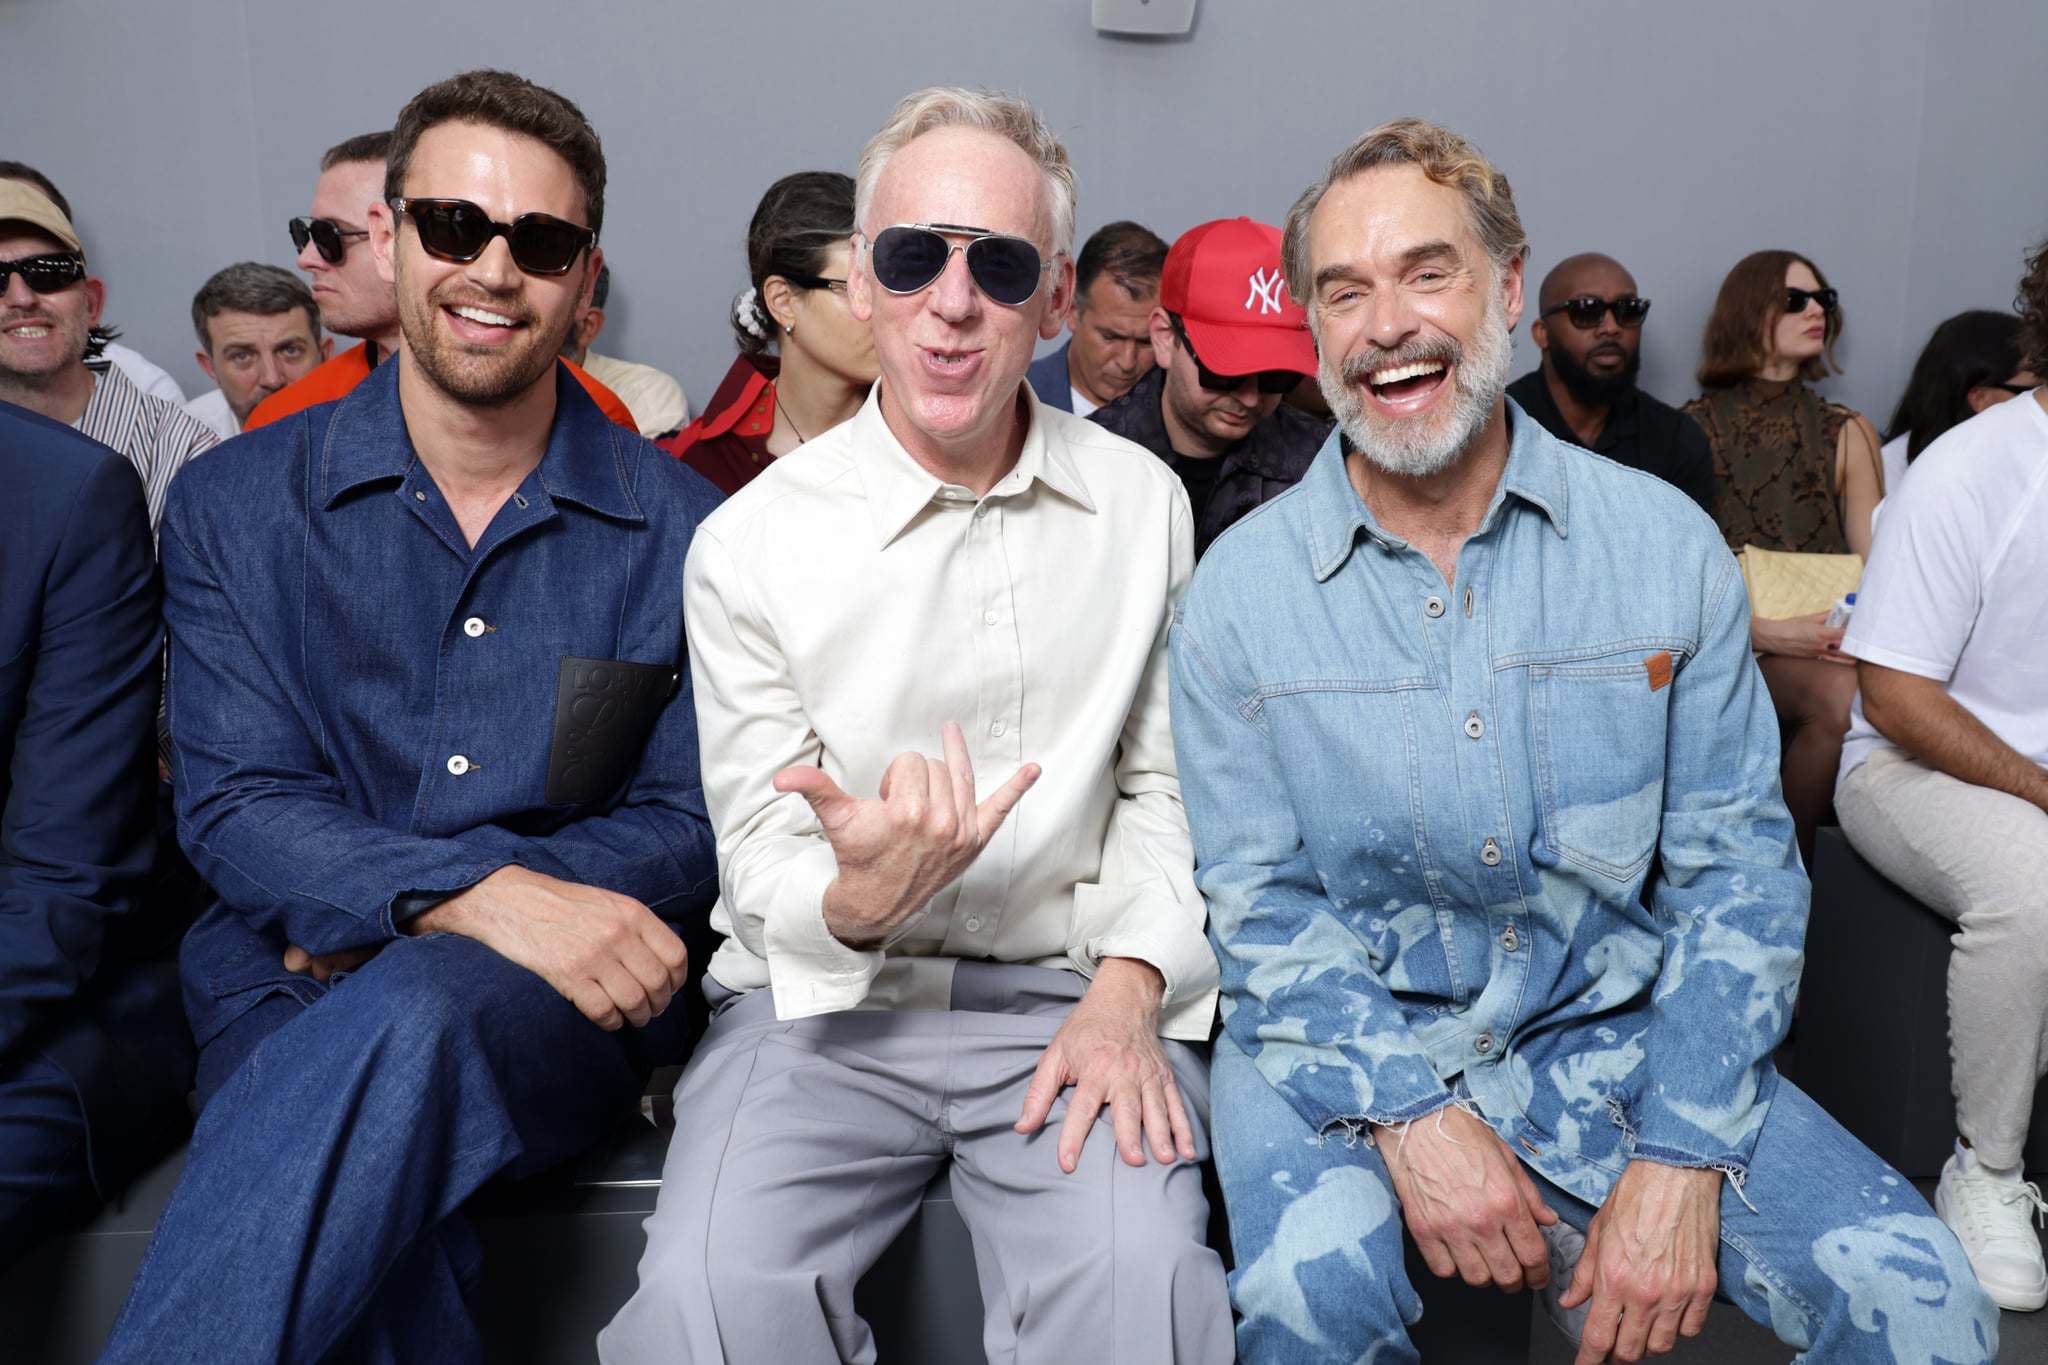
(95, 1060)
(1116, 285)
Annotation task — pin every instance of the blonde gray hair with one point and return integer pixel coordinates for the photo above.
(1438, 153)
(949, 106)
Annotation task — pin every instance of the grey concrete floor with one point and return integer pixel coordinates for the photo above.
(1732, 1339)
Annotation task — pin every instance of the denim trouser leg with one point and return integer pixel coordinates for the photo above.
(1314, 1227)
(44, 1181)
(315, 1205)
(1840, 1256)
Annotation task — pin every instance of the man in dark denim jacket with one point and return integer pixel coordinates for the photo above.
(423, 696)
(1482, 782)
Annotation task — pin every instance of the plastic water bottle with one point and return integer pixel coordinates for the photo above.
(1838, 614)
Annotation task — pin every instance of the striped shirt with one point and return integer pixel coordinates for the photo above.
(156, 435)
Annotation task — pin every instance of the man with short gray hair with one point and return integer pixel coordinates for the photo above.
(1483, 787)
(258, 330)
(924, 953)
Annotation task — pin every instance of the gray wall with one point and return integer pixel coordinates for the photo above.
(1897, 142)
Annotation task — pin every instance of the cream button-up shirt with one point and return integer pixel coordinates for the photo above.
(846, 603)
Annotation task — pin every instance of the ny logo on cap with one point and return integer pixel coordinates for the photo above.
(1265, 292)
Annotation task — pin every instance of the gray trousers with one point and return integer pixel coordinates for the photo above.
(1980, 858)
(803, 1148)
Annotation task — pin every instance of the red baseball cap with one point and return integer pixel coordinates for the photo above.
(1223, 281)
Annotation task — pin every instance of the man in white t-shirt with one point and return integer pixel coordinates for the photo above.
(1944, 789)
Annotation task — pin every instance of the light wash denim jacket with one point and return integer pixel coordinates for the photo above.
(1517, 842)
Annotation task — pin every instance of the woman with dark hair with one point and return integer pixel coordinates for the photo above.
(805, 365)
(1972, 361)
(1792, 472)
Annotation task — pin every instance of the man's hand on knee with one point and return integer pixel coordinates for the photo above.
(607, 954)
(1108, 1049)
(1471, 1207)
(324, 967)
(1648, 1266)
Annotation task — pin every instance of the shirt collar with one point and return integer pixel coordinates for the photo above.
(366, 441)
(898, 487)
(1535, 474)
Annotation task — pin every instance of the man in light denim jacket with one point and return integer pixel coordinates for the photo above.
(1484, 797)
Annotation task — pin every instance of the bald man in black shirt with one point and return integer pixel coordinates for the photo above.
(1589, 326)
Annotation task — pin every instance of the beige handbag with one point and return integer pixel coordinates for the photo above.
(1784, 584)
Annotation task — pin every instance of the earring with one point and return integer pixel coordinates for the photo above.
(789, 331)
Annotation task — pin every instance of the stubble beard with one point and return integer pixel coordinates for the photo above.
(1415, 449)
(475, 377)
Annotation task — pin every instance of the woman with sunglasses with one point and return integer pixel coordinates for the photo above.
(1973, 361)
(805, 365)
(1793, 472)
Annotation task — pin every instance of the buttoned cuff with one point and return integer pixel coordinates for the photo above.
(1124, 921)
(810, 971)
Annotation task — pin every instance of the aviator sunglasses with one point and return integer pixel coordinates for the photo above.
(1585, 311)
(908, 256)
(457, 230)
(1797, 299)
(1269, 381)
(328, 237)
(46, 272)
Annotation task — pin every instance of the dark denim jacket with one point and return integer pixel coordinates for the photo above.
(362, 706)
(1523, 835)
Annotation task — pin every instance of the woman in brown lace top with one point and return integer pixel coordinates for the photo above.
(1792, 472)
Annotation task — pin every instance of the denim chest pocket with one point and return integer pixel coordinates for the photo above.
(1599, 732)
(604, 711)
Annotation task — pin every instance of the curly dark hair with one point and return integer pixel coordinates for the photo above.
(2032, 303)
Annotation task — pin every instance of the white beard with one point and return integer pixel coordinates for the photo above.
(1417, 448)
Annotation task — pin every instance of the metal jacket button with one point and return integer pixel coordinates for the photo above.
(1483, 1044)
(1433, 608)
(459, 765)
(1509, 940)
(1474, 726)
(474, 627)
(1489, 854)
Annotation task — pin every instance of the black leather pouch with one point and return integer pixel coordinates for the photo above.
(604, 711)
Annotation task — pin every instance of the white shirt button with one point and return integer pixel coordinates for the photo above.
(474, 627)
(997, 729)
(988, 618)
(458, 765)
(973, 924)
(981, 511)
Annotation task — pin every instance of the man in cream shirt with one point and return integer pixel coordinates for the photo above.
(923, 965)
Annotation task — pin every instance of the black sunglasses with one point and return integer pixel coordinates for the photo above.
(328, 237)
(46, 272)
(1797, 299)
(1269, 381)
(457, 230)
(908, 256)
(1585, 312)
(813, 281)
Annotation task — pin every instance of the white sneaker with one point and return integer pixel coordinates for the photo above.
(1993, 1217)
(1565, 1244)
